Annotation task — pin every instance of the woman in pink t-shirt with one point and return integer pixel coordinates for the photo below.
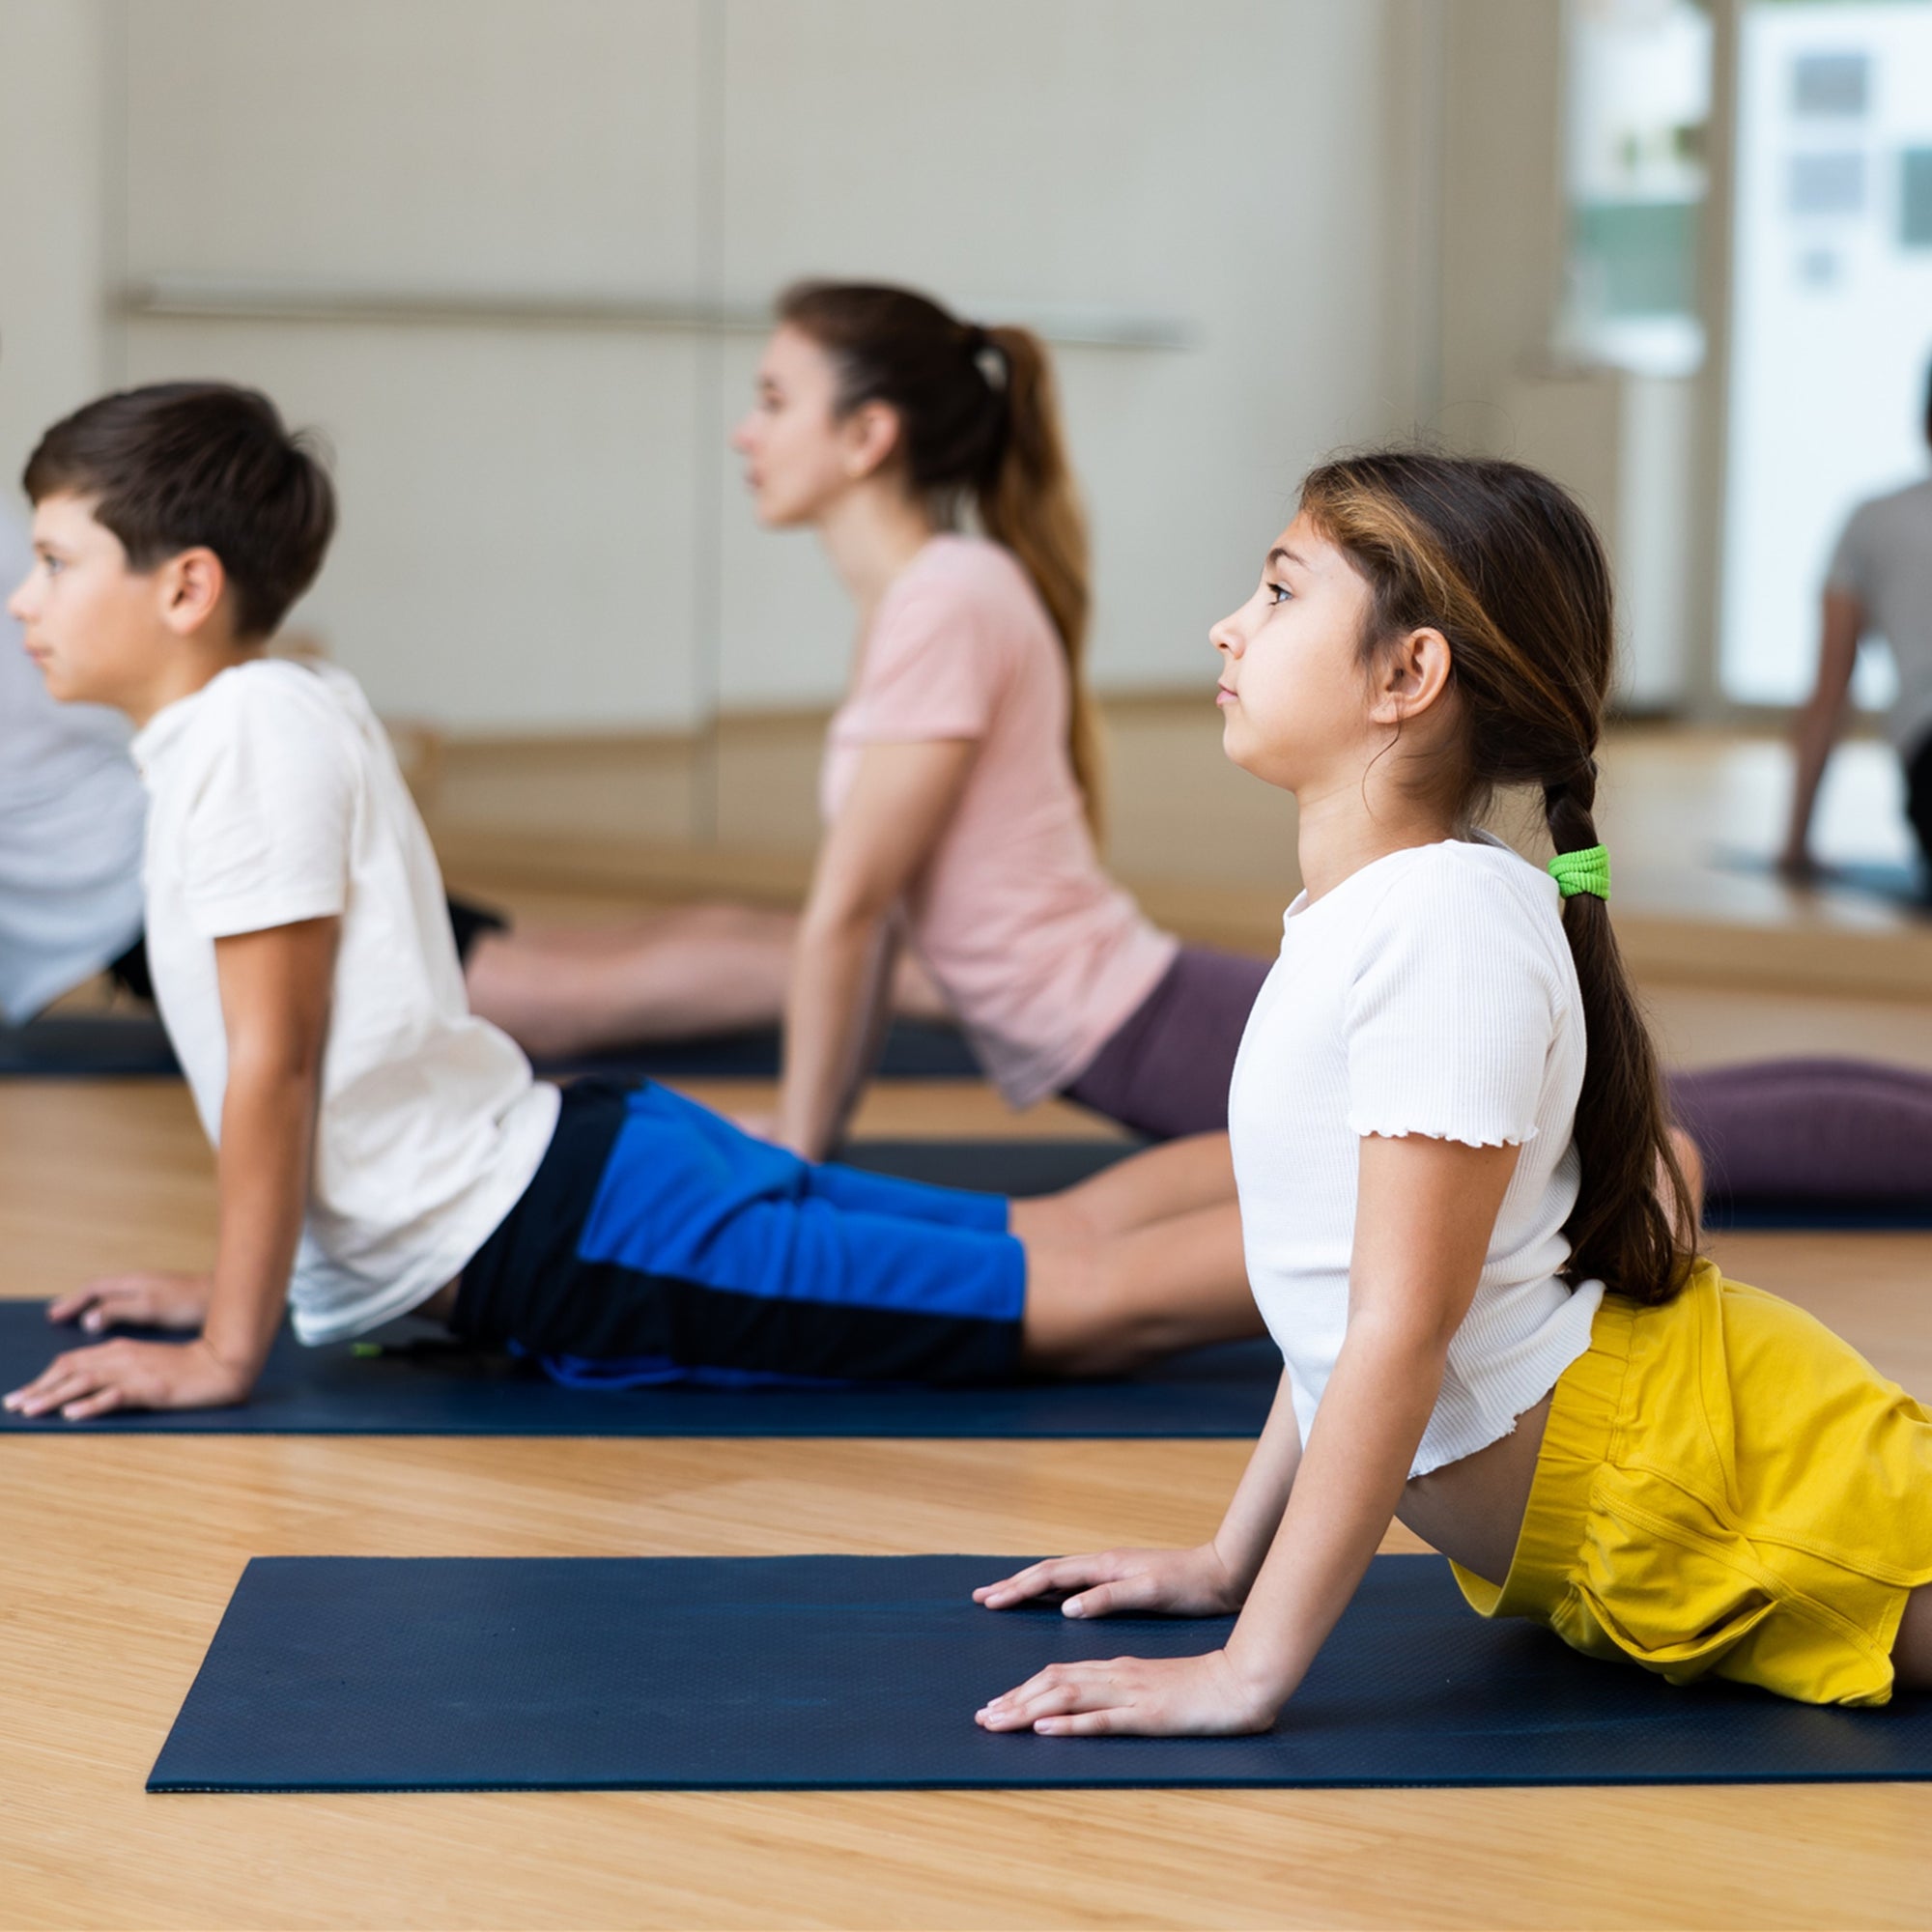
(961, 782)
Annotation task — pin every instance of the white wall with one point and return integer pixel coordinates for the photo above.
(518, 518)
(541, 528)
(55, 143)
(1222, 163)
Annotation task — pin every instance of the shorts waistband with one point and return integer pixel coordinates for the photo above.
(1580, 1434)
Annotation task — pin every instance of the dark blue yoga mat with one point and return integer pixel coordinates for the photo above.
(129, 1048)
(337, 1673)
(87, 1048)
(432, 1389)
(1042, 1166)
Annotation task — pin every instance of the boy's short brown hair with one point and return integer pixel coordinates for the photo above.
(177, 465)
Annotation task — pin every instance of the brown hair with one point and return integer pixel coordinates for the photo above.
(979, 420)
(1503, 562)
(177, 465)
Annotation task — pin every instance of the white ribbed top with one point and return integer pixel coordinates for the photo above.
(1432, 992)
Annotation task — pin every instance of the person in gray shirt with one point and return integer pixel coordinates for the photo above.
(1879, 584)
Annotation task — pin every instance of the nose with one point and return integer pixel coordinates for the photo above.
(17, 606)
(1226, 635)
(741, 435)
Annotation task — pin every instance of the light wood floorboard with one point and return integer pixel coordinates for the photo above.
(117, 1555)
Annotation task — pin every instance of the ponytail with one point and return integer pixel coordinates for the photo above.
(1503, 562)
(1632, 1226)
(979, 423)
(1030, 505)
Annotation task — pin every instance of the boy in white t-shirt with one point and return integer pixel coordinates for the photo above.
(370, 1133)
(382, 1151)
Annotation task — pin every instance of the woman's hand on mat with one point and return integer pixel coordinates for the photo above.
(1138, 1696)
(1178, 1582)
(124, 1374)
(153, 1300)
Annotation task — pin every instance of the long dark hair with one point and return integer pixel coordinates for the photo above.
(979, 423)
(1503, 562)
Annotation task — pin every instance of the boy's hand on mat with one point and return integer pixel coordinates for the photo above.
(121, 1374)
(1179, 1582)
(1137, 1696)
(153, 1300)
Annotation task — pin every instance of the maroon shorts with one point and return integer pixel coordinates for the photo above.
(1165, 1070)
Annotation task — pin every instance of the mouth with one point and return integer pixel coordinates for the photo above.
(1224, 696)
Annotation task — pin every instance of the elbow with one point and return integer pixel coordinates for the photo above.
(1407, 1344)
(289, 1063)
(844, 921)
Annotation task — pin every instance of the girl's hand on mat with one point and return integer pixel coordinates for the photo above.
(1180, 1582)
(153, 1299)
(1137, 1696)
(86, 1382)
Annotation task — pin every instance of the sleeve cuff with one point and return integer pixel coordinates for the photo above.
(1472, 1133)
(258, 912)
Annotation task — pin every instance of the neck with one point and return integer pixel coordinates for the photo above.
(872, 533)
(1343, 826)
(196, 663)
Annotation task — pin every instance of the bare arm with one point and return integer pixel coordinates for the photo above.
(1425, 1212)
(903, 796)
(275, 1004)
(1818, 723)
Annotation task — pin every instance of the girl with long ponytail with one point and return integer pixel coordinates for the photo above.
(962, 787)
(1465, 1223)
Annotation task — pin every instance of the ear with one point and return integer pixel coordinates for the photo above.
(189, 586)
(871, 433)
(1412, 678)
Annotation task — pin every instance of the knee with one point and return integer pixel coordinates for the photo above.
(1050, 1220)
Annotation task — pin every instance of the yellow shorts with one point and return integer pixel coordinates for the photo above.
(1727, 1486)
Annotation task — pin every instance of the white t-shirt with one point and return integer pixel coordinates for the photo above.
(1885, 561)
(1432, 992)
(71, 818)
(274, 797)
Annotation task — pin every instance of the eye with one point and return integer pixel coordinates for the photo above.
(1278, 593)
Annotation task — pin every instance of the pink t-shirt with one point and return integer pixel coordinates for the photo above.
(1036, 951)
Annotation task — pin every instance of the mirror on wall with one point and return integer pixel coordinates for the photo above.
(1831, 315)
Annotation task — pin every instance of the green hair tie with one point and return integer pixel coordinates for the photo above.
(1584, 871)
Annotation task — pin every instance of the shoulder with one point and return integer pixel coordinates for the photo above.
(963, 609)
(279, 723)
(977, 584)
(1463, 907)
(1896, 513)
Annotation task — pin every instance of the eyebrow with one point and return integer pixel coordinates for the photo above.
(1286, 555)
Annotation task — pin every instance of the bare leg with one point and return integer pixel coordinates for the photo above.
(1156, 1184)
(1912, 1649)
(688, 971)
(1102, 1306)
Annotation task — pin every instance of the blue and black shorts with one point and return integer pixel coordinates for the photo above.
(657, 1243)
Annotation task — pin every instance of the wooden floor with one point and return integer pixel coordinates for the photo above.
(117, 1556)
